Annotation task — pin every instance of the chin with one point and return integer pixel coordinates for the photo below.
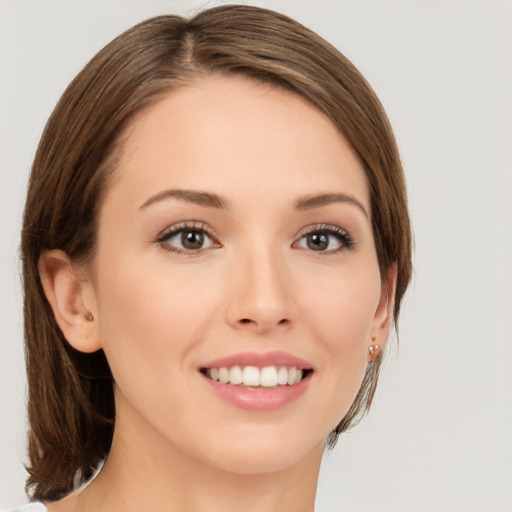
(260, 452)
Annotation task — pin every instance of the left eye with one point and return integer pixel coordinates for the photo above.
(187, 240)
(325, 240)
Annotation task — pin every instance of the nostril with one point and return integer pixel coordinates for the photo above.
(246, 321)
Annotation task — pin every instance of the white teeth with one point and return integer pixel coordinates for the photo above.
(235, 375)
(251, 376)
(292, 374)
(282, 376)
(267, 377)
(223, 375)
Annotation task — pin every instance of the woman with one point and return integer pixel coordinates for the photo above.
(215, 245)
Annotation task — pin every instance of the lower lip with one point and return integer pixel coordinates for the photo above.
(260, 399)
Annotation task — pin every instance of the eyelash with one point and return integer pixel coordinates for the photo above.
(345, 240)
(342, 236)
(184, 227)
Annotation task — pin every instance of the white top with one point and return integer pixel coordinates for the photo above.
(31, 507)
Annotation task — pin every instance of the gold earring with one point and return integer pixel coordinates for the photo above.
(374, 349)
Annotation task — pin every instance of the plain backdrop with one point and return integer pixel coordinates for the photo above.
(439, 437)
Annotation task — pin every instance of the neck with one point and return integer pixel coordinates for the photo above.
(143, 472)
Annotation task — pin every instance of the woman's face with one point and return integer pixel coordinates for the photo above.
(235, 243)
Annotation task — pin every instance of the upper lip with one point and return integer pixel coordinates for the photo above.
(260, 360)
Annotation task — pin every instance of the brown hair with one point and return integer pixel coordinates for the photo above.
(70, 403)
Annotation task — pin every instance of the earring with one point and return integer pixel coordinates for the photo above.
(89, 316)
(374, 349)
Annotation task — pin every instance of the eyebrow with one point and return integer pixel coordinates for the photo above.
(190, 196)
(210, 200)
(317, 200)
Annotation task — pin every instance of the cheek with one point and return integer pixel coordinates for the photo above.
(149, 319)
(342, 306)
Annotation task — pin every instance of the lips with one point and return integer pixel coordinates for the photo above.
(268, 376)
(257, 381)
(260, 360)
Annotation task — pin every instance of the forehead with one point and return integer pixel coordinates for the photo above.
(234, 135)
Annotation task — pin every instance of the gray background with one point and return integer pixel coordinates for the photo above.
(439, 437)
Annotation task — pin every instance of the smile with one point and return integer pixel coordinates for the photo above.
(258, 381)
(254, 377)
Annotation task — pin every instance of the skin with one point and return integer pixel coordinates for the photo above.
(256, 286)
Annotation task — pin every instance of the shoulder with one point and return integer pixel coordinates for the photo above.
(30, 507)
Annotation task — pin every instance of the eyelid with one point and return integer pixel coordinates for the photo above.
(190, 225)
(346, 240)
(311, 228)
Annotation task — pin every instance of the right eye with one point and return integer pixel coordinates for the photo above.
(187, 239)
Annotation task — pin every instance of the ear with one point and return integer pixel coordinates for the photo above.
(72, 299)
(383, 319)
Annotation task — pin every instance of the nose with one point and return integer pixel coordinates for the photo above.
(261, 293)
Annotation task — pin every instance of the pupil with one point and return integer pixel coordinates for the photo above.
(318, 241)
(192, 240)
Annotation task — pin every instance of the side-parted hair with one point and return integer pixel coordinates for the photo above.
(71, 407)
